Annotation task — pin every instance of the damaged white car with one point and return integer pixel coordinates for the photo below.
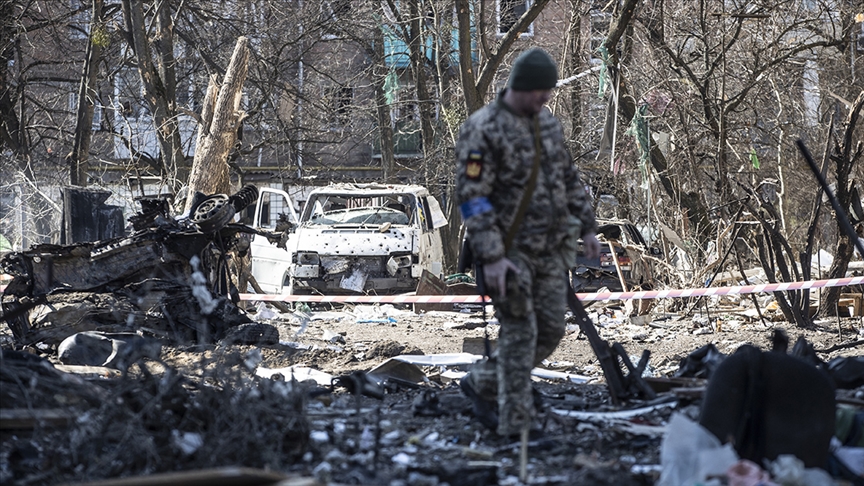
(368, 238)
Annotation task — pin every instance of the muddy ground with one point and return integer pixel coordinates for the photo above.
(423, 435)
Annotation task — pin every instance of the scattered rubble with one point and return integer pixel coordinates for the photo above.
(364, 411)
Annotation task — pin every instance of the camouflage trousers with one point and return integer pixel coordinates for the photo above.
(531, 316)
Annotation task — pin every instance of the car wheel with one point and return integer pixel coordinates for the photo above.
(213, 213)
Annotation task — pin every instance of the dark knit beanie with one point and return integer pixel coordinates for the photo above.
(533, 69)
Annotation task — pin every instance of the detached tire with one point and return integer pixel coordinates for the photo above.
(213, 213)
(252, 333)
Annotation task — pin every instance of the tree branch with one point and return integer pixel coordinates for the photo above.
(495, 60)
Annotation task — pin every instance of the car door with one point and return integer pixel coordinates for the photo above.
(431, 250)
(269, 262)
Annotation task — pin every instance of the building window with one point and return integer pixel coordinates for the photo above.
(509, 13)
(332, 13)
(342, 102)
(599, 29)
(79, 23)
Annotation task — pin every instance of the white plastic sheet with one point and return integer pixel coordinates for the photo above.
(690, 454)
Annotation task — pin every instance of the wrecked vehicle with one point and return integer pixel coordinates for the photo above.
(636, 271)
(170, 277)
(351, 238)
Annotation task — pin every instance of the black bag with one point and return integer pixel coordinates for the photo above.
(770, 403)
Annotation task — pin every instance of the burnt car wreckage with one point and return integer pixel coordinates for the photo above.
(627, 269)
(145, 281)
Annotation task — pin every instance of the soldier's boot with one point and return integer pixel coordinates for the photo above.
(537, 396)
(517, 419)
(486, 411)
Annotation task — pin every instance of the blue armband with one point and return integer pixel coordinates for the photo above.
(478, 205)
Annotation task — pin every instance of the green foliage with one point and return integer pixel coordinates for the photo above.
(100, 36)
(754, 159)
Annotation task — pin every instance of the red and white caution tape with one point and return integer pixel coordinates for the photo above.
(475, 299)
(647, 294)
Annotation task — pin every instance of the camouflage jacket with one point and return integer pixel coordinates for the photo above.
(495, 155)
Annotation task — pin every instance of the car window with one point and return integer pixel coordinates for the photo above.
(274, 209)
(341, 209)
(635, 235)
(425, 214)
(360, 216)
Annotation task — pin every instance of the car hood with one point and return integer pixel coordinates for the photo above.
(355, 241)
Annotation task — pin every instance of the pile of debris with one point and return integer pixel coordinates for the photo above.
(405, 421)
(169, 278)
(68, 428)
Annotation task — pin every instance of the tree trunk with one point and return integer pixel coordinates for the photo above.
(476, 89)
(444, 64)
(473, 100)
(383, 112)
(846, 157)
(156, 89)
(806, 256)
(77, 159)
(217, 133)
(451, 235)
(164, 46)
(11, 134)
(575, 62)
(417, 47)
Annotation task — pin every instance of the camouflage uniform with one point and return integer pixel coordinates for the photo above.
(495, 154)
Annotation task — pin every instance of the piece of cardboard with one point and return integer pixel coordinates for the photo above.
(226, 476)
(22, 418)
(430, 284)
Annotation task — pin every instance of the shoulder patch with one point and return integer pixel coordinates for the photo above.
(474, 165)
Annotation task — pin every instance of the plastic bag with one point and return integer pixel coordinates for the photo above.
(690, 454)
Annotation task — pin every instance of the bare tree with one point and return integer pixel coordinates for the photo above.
(87, 95)
(703, 42)
(41, 50)
(217, 131)
(156, 68)
(476, 86)
(11, 134)
(383, 112)
(846, 154)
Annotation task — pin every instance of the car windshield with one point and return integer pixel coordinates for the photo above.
(331, 210)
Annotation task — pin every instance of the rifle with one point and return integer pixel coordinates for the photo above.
(620, 386)
(466, 262)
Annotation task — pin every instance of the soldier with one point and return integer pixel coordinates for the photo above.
(525, 260)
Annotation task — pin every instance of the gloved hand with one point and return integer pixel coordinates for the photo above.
(495, 275)
(590, 245)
